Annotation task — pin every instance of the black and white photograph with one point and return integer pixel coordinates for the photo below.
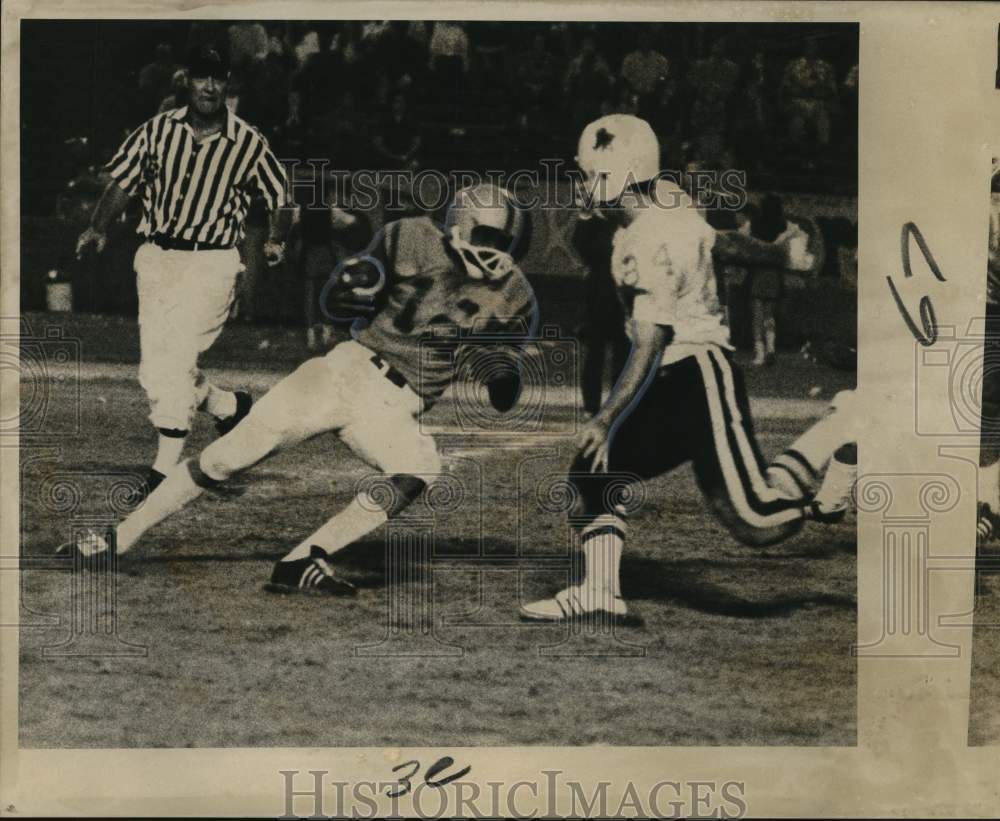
(437, 383)
(984, 707)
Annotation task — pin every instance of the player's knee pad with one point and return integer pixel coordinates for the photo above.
(405, 488)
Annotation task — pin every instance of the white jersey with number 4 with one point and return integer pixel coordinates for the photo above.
(662, 265)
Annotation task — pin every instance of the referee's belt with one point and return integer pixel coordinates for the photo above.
(389, 372)
(178, 244)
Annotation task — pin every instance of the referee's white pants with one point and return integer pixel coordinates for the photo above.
(184, 300)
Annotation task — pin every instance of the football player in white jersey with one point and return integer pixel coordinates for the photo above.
(680, 398)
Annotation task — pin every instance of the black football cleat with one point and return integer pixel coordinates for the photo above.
(313, 576)
(244, 401)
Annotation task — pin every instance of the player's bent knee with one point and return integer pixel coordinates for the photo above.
(590, 497)
(406, 489)
(213, 466)
(199, 477)
(748, 533)
(244, 446)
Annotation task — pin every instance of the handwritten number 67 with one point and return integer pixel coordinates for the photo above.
(927, 333)
(430, 776)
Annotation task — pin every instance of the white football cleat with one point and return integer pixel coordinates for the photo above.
(90, 548)
(579, 602)
(836, 493)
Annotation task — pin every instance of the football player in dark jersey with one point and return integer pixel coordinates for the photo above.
(433, 296)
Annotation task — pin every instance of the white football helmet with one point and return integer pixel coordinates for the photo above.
(488, 230)
(615, 152)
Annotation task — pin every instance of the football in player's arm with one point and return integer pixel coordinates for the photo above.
(413, 282)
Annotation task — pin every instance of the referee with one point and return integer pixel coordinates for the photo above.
(196, 170)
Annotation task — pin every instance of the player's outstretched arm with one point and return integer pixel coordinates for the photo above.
(649, 340)
(110, 206)
(734, 248)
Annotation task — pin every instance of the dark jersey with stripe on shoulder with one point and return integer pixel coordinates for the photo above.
(197, 191)
(435, 319)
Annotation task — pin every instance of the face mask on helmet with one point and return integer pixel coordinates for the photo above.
(487, 231)
(481, 259)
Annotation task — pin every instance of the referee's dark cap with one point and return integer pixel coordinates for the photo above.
(206, 60)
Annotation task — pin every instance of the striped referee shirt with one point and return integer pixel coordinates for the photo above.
(197, 191)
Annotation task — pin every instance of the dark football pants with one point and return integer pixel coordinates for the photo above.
(989, 451)
(695, 410)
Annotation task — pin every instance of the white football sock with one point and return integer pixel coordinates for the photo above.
(354, 521)
(796, 472)
(168, 452)
(174, 492)
(602, 542)
(838, 483)
(218, 402)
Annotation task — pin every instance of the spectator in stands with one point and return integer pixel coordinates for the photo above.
(308, 44)
(155, 78)
(850, 107)
(809, 91)
(321, 238)
(768, 224)
(349, 44)
(398, 141)
(535, 72)
(449, 50)
(317, 89)
(247, 42)
(622, 101)
(265, 84)
(665, 113)
(401, 56)
(489, 45)
(645, 69)
(713, 81)
(752, 127)
(345, 127)
(588, 83)
(178, 95)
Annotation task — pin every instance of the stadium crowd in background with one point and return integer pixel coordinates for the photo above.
(449, 95)
(319, 89)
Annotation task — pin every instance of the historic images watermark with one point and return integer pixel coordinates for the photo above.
(554, 185)
(439, 792)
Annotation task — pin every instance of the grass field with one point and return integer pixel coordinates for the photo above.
(739, 646)
(984, 708)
